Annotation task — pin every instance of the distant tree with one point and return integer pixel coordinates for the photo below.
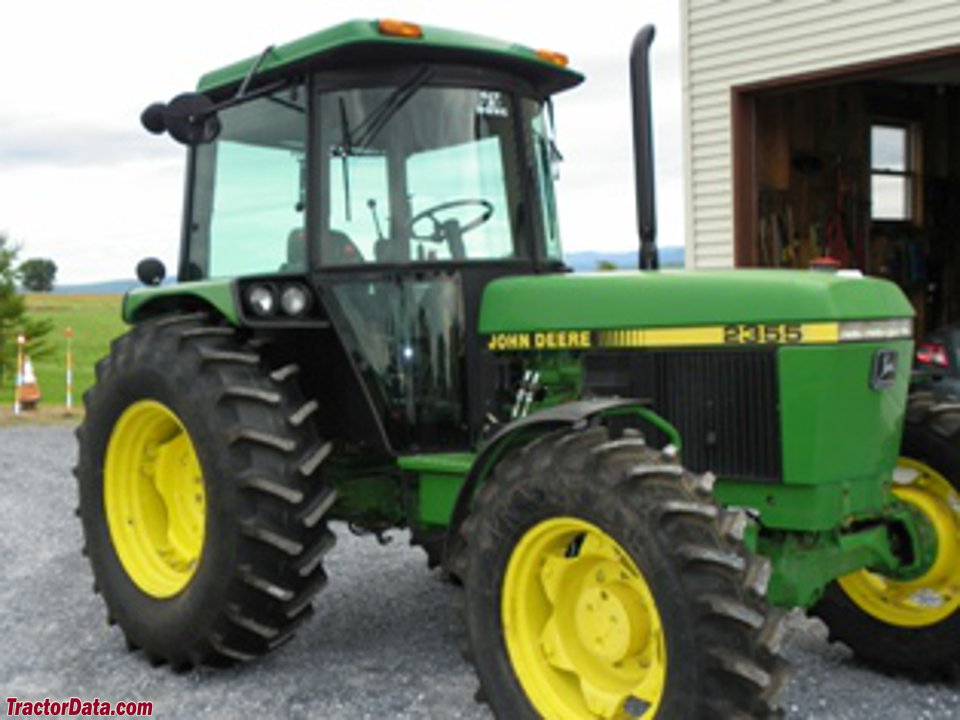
(13, 316)
(38, 274)
(606, 265)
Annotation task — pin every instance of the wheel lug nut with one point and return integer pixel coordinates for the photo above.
(635, 707)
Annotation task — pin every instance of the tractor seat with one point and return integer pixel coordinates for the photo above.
(336, 248)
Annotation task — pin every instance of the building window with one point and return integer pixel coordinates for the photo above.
(892, 172)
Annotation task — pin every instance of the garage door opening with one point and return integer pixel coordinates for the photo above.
(860, 165)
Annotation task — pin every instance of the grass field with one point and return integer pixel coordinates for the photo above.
(95, 320)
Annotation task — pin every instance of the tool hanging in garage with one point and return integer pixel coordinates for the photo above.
(838, 243)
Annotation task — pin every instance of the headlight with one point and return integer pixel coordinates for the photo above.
(295, 300)
(876, 330)
(262, 300)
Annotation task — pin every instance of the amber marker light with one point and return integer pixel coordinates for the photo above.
(399, 28)
(552, 56)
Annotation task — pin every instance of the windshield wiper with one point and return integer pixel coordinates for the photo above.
(372, 124)
(368, 128)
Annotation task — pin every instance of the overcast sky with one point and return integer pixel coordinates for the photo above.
(83, 184)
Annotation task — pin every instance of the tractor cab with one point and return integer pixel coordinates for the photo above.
(413, 166)
(374, 178)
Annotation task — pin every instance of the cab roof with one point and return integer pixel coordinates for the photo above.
(363, 43)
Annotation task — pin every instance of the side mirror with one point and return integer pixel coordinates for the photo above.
(152, 118)
(151, 271)
(190, 118)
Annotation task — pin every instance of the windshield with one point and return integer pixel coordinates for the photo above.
(403, 172)
(416, 173)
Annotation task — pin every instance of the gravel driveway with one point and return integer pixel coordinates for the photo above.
(382, 644)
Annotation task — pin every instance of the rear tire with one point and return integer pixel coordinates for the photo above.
(185, 391)
(911, 628)
(601, 581)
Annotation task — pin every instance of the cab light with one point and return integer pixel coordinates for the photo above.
(552, 56)
(399, 28)
(295, 300)
(262, 300)
(876, 330)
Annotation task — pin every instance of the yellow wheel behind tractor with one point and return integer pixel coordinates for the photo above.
(912, 626)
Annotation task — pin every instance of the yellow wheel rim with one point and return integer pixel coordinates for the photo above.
(935, 595)
(581, 626)
(154, 499)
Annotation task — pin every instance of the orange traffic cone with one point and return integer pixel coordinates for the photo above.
(29, 391)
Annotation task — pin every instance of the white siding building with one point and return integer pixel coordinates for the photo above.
(736, 51)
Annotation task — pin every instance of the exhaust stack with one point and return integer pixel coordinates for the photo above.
(643, 147)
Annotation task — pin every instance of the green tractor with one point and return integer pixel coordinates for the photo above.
(374, 325)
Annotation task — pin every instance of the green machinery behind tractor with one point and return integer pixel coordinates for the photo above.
(373, 324)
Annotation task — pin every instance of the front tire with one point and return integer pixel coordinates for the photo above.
(912, 627)
(601, 582)
(202, 510)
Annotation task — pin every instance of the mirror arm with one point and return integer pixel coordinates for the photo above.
(238, 98)
(251, 73)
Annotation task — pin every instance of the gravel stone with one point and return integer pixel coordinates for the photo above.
(382, 644)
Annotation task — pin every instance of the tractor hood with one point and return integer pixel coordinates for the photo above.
(685, 299)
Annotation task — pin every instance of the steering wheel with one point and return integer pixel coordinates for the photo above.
(437, 234)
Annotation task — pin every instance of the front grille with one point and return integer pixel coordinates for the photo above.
(724, 403)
